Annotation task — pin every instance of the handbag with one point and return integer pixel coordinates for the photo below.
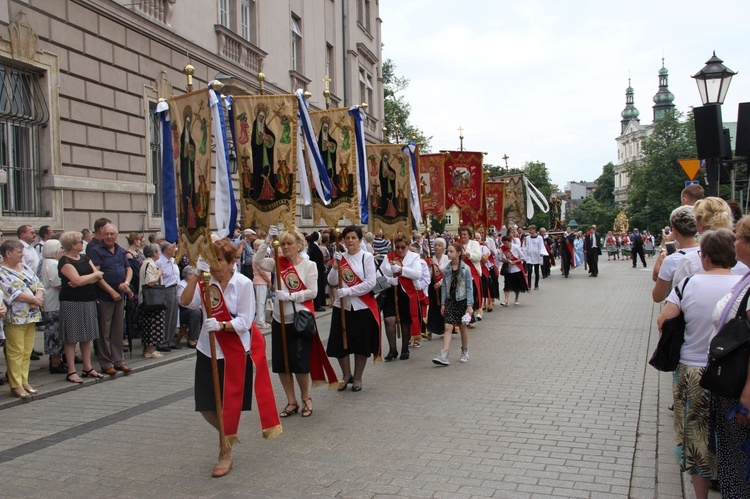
(304, 322)
(667, 353)
(381, 282)
(504, 269)
(728, 355)
(154, 298)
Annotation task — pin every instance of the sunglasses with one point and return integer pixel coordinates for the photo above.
(400, 247)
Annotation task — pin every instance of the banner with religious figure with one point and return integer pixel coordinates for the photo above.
(494, 198)
(388, 169)
(191, 125)
(334, 129)
(464, 180)
(514, 209)
(266, 144)
(432, 184)
(473, 219)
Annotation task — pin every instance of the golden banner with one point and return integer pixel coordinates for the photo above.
(191, 143)
(388, 169)
(335, 136)
(266, 135)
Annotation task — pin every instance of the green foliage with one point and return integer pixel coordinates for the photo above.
(592, 212)
(605, 185)
(537, 173)
(437, 226)
(657, 181)
(397, 110)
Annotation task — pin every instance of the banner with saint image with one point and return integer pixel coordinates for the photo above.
(191, 125)
(266, 144)
(494, 199)
(432, 184)
(464, 180)
(334, 129)
(388, 170)
(514, 205)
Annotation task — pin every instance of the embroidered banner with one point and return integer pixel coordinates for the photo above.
(471, 218)
(334, 130)
(191, 144)
(266, 128)
(464, 182)
(514, 207)
(494, 198)
(432, 184)
(388, 169)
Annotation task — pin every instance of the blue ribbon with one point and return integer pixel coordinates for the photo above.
(362, 177)
(232, 203)
(313, 150)
(731, 413)
(169, 196)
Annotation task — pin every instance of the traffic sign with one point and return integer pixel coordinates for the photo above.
(691, 167)
(691, 182)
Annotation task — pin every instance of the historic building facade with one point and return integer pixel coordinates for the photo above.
(81, 79)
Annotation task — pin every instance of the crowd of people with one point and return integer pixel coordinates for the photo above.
(702, 273)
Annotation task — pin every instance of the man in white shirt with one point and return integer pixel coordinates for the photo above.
(27, 235)
(533, 248)
(170, 278)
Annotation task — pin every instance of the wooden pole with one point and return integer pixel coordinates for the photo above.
(341, 299)
(281, 305)
(206, 278)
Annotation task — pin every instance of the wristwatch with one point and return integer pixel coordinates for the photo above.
(223, 326)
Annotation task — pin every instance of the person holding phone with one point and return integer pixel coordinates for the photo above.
(684, 228)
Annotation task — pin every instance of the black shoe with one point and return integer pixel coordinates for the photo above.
(176, 346)
(37, 352)
(163, 349)
(58, 369)
(404, 355)
(344, 383)
(356, 388)
(34, 356)
(78, 360)
(320, 309)
(391, 355)
(536, 288)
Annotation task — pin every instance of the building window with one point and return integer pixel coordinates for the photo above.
(329, 64)
(307, 212)
(360, 12)
(247, 19)
(157, 203)
(23, 112)
(448, 219)
(296, 45)
(367, 15)
(368, 84)
(224, 13)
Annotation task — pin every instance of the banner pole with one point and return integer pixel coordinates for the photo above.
(282, 318)
(206, 278)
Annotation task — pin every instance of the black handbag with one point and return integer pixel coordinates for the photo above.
(728, 355)
(154, 297)
(504, 269)
(667, 353)
(304, 322)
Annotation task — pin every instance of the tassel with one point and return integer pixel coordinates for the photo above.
(333, 386)
(272, 432)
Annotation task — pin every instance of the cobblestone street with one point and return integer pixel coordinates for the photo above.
(557, 400)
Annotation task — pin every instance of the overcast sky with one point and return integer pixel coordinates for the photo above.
(545, 80)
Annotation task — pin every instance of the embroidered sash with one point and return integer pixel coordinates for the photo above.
(408, 286)
(321, 371)
(352, 279)
(234, 371)
(477, 280)
(518, 264)
(571, 252)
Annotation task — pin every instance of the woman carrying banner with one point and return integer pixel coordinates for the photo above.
(233, 297)
(404, 269)
(361, 326)
(298, 278)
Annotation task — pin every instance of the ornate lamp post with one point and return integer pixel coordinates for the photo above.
(713, 81)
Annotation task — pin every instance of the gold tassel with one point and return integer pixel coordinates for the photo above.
(334, 386)
(319, 382)
(377, 358)
(272, 432)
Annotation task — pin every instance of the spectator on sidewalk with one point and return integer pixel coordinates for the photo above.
(682, 221)
(261, 284)
(50, 278)
(170, 277)
(45, 233)
(189, 317)
(151, 323)
(27, 235)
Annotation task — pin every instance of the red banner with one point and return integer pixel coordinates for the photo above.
(432, 184)
(464, 182)
(473, 219)
(494, 198)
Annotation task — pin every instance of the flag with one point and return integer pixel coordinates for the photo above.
(534, 197)
(225, 208)
(432, 184)
(388, 172)
(416, 210)
(494, 198)
(168, 195)
(464, 180)
(514, 207)
(317, 168)
(363, 186)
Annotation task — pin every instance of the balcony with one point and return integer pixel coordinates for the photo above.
(238, 50)
(157, 10)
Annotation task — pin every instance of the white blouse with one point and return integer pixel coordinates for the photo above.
(363, 264)
(307, 270)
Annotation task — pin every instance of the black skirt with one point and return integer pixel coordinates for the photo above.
(435, 322)
(389, 307)
(204, 383)
(362, 335)
(298, 348)
(515, 282)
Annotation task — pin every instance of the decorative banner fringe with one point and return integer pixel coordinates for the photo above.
(272, 432)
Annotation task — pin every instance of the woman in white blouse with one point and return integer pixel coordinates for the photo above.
(361, 313)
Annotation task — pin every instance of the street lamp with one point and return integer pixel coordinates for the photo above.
(713, 81)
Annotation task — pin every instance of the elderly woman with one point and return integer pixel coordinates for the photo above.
(697, 298)
(238, 304)
(79, 321)
(150, 322)
(684, 228)
(361, 313)
(135, 257)
(515, 277)
(298, 277)
(48, 274)
(435, 321)
(23, 296)
(261, 283)
(404, 269)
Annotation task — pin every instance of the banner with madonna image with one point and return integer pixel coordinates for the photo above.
(266, 144)
(334, 132)
(191, 125)
(494, 200)
(464, 180)
(432, 184)
(514, 206)
(388, 171)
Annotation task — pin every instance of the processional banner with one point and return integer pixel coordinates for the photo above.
(388, 170)
(514, 209)
(432, 184)
(473, 219)
(266, 143)
(464, 180)
(191, 126)
(336, 140)
(494, 198)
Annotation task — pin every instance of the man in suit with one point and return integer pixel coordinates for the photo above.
(638, 249)
(566, 250)
(592, 247)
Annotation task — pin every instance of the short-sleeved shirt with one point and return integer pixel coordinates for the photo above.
(113, 263)
(669, 265)
(80, 293)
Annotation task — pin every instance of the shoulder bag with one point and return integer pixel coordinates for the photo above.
(667, 353)
(154, 297)
(304, 322)
(728, 355)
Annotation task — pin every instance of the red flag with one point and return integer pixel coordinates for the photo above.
(432, 184)
(464, 180)
(494, 199)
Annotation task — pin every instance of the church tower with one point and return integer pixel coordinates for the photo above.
(663, 100)
(630, 113)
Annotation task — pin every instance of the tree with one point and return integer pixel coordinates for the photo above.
(657, 180)
(605, 185)
(397, 110)
(592, 212)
